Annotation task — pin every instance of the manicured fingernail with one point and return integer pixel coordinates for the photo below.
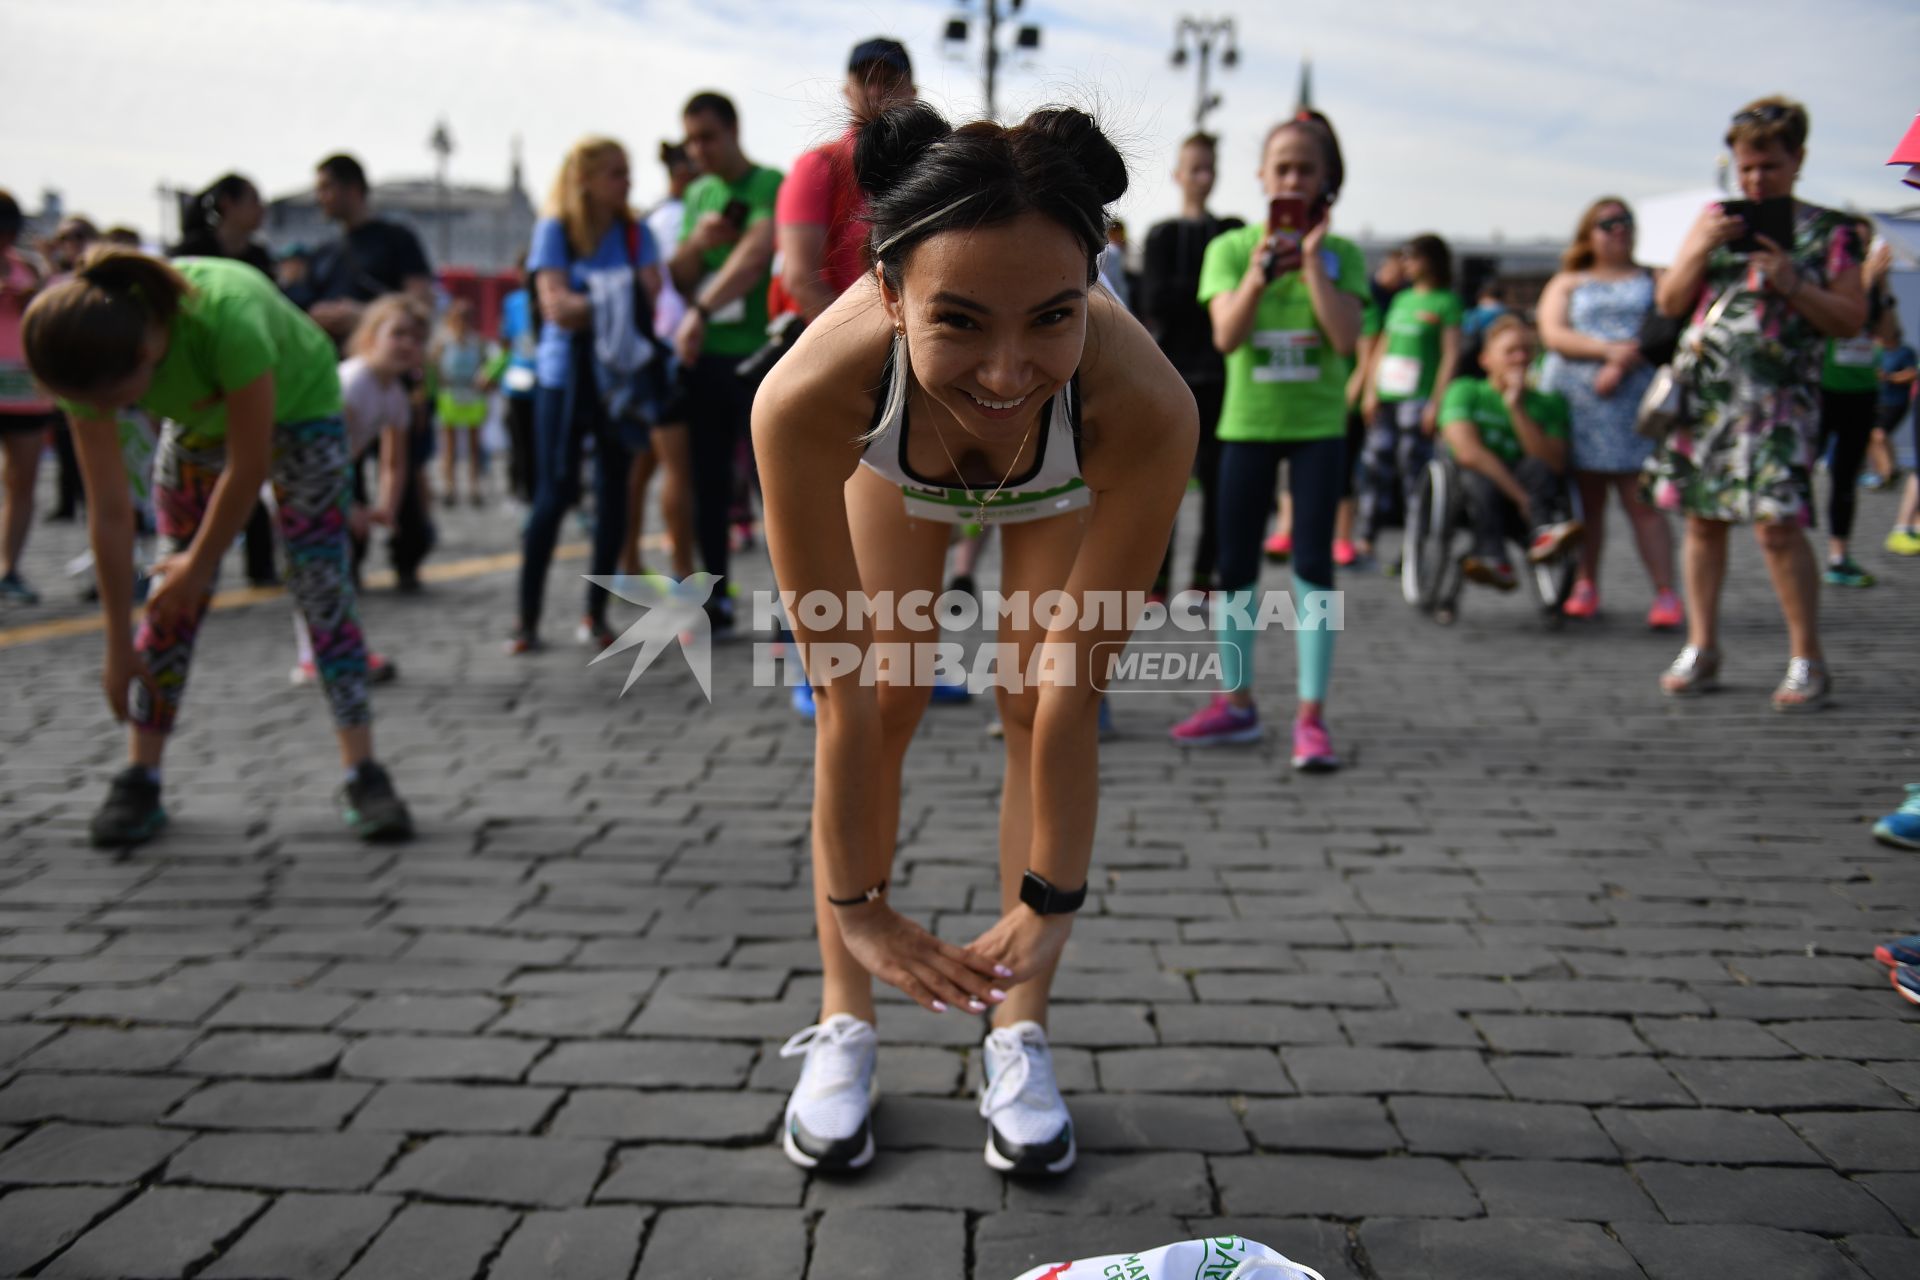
(1001, 971)
(996, 995)
(978, 1006)
(939, 1006)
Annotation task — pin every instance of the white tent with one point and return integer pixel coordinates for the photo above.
(1662, 222)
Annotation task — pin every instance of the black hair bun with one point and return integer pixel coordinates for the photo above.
(1075, 132)
(891, 143)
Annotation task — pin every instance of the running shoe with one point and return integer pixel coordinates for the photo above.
(1343, 553)
(1584, 601)
(131, 813)
(1279, 546)
(1665, 614)
(1898, 952)
(523, 642)
(742, 536)
(1490, 572)
(1218, 723)
(1313, 746)
(1872, 481)
(1906, 980)
(829, 1123)
(1845, 573)
(720, 617)
(1552, 539)
(13, 587)
(1901, 828)
(594, 634)
(371, 808)
(1028, 1128)
(951, 691)
(1904, 542)
(803, 700)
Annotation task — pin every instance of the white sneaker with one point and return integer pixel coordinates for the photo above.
(1028, 1128)
(828, 1125)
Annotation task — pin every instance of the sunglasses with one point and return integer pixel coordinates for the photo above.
(1769, 114)
(1619, 222)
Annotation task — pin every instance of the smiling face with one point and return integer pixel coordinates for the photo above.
(1293, 165)
(1765, 173)
(995, 320)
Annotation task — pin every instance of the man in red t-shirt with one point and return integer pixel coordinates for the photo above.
(820, 234)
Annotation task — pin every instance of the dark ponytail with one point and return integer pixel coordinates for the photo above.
(921, 176)
(87, 333)
(201, 213)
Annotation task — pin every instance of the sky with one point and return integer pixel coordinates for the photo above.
(1468, 117)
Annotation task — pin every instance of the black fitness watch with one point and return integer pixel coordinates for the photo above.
(1047, 900)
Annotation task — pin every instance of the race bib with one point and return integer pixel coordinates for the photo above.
(1399, 376)
(518, 378)
(1855, 353)
(734, 312)
(1287, 355)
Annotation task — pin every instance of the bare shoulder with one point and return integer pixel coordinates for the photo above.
(1137, 413)
(824, 388)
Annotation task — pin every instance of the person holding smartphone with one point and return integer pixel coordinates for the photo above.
(1286, 302)
(1764, 298)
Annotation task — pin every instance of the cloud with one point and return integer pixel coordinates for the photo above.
(1463, 117)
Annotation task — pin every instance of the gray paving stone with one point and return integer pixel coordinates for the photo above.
(1522, 1130)
(1900, 1192)
(70, 1153)
(421, 1014)
(141, 1004)
(1711, 1038)
(319, 1104)
(1495, 1247)
(646, 1064)
(1866, 1141)
(1816, 1200)
(729, 1118)
(1337, 1069)
(1145, 1122)
(554, 1173)
(581, 1015)
(1781, 1086)
(1633, 1081)
(433, 1242)
(1895, 1039)
(1010, 1244)
(263, 1054)
(1685, 1253)
(749, 1244)
(37, 1222)
(572, 1242)
(112, 1049)
(1162, 1182)
(1261, 988)
(284, 1161)
(19, 1039)
(1886, 1257)
(304, 1237)
(455, 1108)
(1571, 1035)
(267, 1008)
(162, 1232)
(688, 1174)
(99, 1099)
(1559, 1190)
(1173, 1070)
(1409, 1028)
(1333, 1187)
(1321, 1124)
(915, 1180)
(881, 1244)
(440, 1058)
(1705, 1137)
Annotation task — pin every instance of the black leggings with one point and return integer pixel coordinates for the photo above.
(1208, 396)
(564, 418)
(1495, 517)
(1846, 418)
(1248, 473)
(719, 407)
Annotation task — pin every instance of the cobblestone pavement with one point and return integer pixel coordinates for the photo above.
(1558, 979)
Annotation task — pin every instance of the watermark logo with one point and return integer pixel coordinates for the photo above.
(674, 611)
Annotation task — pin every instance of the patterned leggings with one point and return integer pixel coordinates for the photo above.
(311, 488)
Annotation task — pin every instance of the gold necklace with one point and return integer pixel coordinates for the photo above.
(980, 503)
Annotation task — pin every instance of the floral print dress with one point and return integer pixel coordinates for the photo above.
(1754, 386)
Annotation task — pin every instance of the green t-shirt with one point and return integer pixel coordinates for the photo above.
(1284, 382)
(1477, 401)
(233, 327)
(1415, 319)
(740, 327)
(1852, 364)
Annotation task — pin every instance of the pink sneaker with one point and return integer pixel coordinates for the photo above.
(1666, 613)
(1313, 746)
(1279, 546)
(1343, 553)
(1584, 602)
(1218, 723)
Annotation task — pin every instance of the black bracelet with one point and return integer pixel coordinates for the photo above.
(1046, 900)
(860, 899)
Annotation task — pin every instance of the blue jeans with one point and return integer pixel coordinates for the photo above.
(563, 420)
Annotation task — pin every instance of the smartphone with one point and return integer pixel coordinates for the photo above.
(1288, 215)
(1770, 218)
(736, 213)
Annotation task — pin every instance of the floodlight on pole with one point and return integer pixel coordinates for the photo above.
(1204, 35)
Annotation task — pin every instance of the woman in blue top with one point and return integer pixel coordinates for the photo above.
(594, 349)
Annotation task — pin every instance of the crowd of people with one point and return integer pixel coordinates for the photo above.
(773, 336)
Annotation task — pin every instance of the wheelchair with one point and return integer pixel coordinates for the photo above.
(1438, 537)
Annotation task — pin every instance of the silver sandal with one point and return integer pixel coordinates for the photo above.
(1806, 679)
(1696, 670)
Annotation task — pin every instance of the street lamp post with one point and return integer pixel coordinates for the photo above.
(442, 145)
(1026, 40)
(1203, 34)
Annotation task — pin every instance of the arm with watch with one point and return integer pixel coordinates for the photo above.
(746, 267)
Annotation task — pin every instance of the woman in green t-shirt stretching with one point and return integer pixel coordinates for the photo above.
(249, 390)
(1287, 314)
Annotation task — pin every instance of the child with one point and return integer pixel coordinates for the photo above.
(1511, 445)
(248, 384)
(459, 357)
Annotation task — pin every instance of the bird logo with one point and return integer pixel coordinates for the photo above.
(674, 610)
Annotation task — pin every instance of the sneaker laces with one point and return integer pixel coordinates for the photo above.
(842, 1037)
(1017, 1059)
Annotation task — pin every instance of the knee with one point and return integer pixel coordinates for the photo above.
(1777, 537)
(901, 707)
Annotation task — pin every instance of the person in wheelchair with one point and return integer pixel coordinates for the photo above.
(1510, 443)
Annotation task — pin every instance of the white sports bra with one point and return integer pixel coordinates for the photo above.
(1051, 487)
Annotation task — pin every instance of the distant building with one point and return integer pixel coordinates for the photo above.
(478, 228)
